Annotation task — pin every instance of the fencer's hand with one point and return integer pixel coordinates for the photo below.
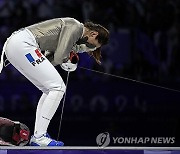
(71, 64)
(74, 58)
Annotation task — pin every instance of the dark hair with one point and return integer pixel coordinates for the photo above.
(102, 37)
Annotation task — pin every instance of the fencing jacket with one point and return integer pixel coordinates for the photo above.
(57, 36)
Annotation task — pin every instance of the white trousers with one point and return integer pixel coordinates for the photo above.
(24, 54)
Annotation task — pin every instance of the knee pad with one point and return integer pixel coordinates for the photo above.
(59, 87)
(63, 87)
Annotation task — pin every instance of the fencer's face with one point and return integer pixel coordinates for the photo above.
(88, 42)
(92, 41)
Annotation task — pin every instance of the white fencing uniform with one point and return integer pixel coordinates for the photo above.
(23, 50)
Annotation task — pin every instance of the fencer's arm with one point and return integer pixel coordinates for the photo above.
(69, 35)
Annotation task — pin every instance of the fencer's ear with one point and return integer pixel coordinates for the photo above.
(94, 33)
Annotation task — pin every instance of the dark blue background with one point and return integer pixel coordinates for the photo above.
(144, 46)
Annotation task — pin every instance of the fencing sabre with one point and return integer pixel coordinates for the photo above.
(63, 106)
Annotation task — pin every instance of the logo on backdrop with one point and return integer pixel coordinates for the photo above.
(103, 139)
(35, 61)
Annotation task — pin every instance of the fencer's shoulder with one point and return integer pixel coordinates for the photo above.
(72, 21)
